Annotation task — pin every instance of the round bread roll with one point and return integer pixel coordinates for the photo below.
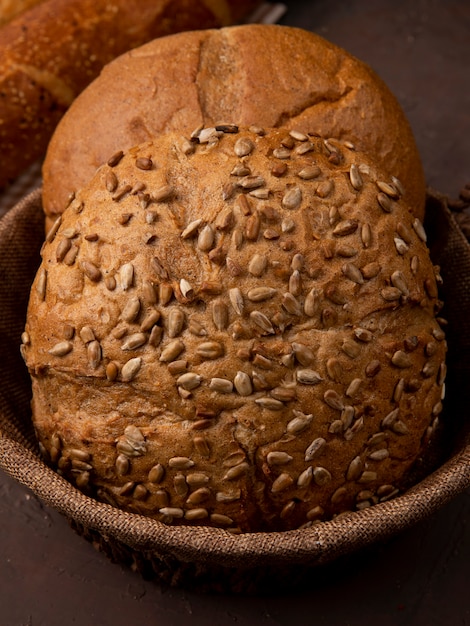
(236, 329)
(268, 75)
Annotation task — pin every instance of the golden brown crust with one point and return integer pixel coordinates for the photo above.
(253, 74)
(237, 330)
(9, 9)
(55, 49)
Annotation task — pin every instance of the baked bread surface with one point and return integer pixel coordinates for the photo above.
(268, 75)
(236, 329)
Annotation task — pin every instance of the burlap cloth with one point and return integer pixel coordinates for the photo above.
(208, 558)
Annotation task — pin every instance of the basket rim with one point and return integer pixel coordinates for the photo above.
(319, 543)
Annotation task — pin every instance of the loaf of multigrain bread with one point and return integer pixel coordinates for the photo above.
(269, 75)
(237, 329)
(49, 53)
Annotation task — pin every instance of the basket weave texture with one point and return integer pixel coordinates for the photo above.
(211, 558)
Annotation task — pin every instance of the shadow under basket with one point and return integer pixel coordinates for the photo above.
(212, 559)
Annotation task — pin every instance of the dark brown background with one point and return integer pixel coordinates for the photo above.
(49, 576)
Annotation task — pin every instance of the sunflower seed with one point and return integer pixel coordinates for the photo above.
(353, 387)
(122, 465)
(305, 478)
(41, 284)
(171, 511)
(206, 238)
(367, 477)
(287, 225)
(134, 341)
(163, 193)
(61, 348)
(94, 354)
(384, 202)
(299, 423)
(401, 246)
(351, 348)
(189, 381)
(180, 463)
(252, 226)
(237, 471)
(391, 294)
(191, 229)
(269, 403)
(308, 146)
(312, 303)
(401, 359)
(308, 377)
(399, 389)
(251, 182)
(155, 336)
(333, 399)
(283, 394)
(400, 428)
(352, 272)
(399, 281)
(303, 354)
(363, 335)
(291, 304)
(321, 476)
(243, 384)
(243, 146)
(91, 271)
(262, 322)
(295, 283)
(379, 455)
(259, 294)
(354, 469)
(53, 230)
(325, 188)
(278, 458)
(130, 369)
(156, 474)
(171, 351)
(345, 227)
(292, 198)
(389, 189)
(112, 371)
(257, 264)
(355, 177)
(309, 172)
(150, 319)
(281, 153)
(62, 249)
(220, 314)
(222, 385)
(390, 418)
(282, 482)
(314, 448)
(176, 321)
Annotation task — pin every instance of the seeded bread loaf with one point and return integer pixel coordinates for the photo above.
(269, 75)
(237, 329)
(49, 53)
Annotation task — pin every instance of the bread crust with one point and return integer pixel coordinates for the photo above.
(51, 52)
(236, 330)
(268, 75)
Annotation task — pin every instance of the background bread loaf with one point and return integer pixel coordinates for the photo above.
(237, 330)
(11, 8)
(252, 74)
(49, 53)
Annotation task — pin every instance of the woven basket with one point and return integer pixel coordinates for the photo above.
(210, 558)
